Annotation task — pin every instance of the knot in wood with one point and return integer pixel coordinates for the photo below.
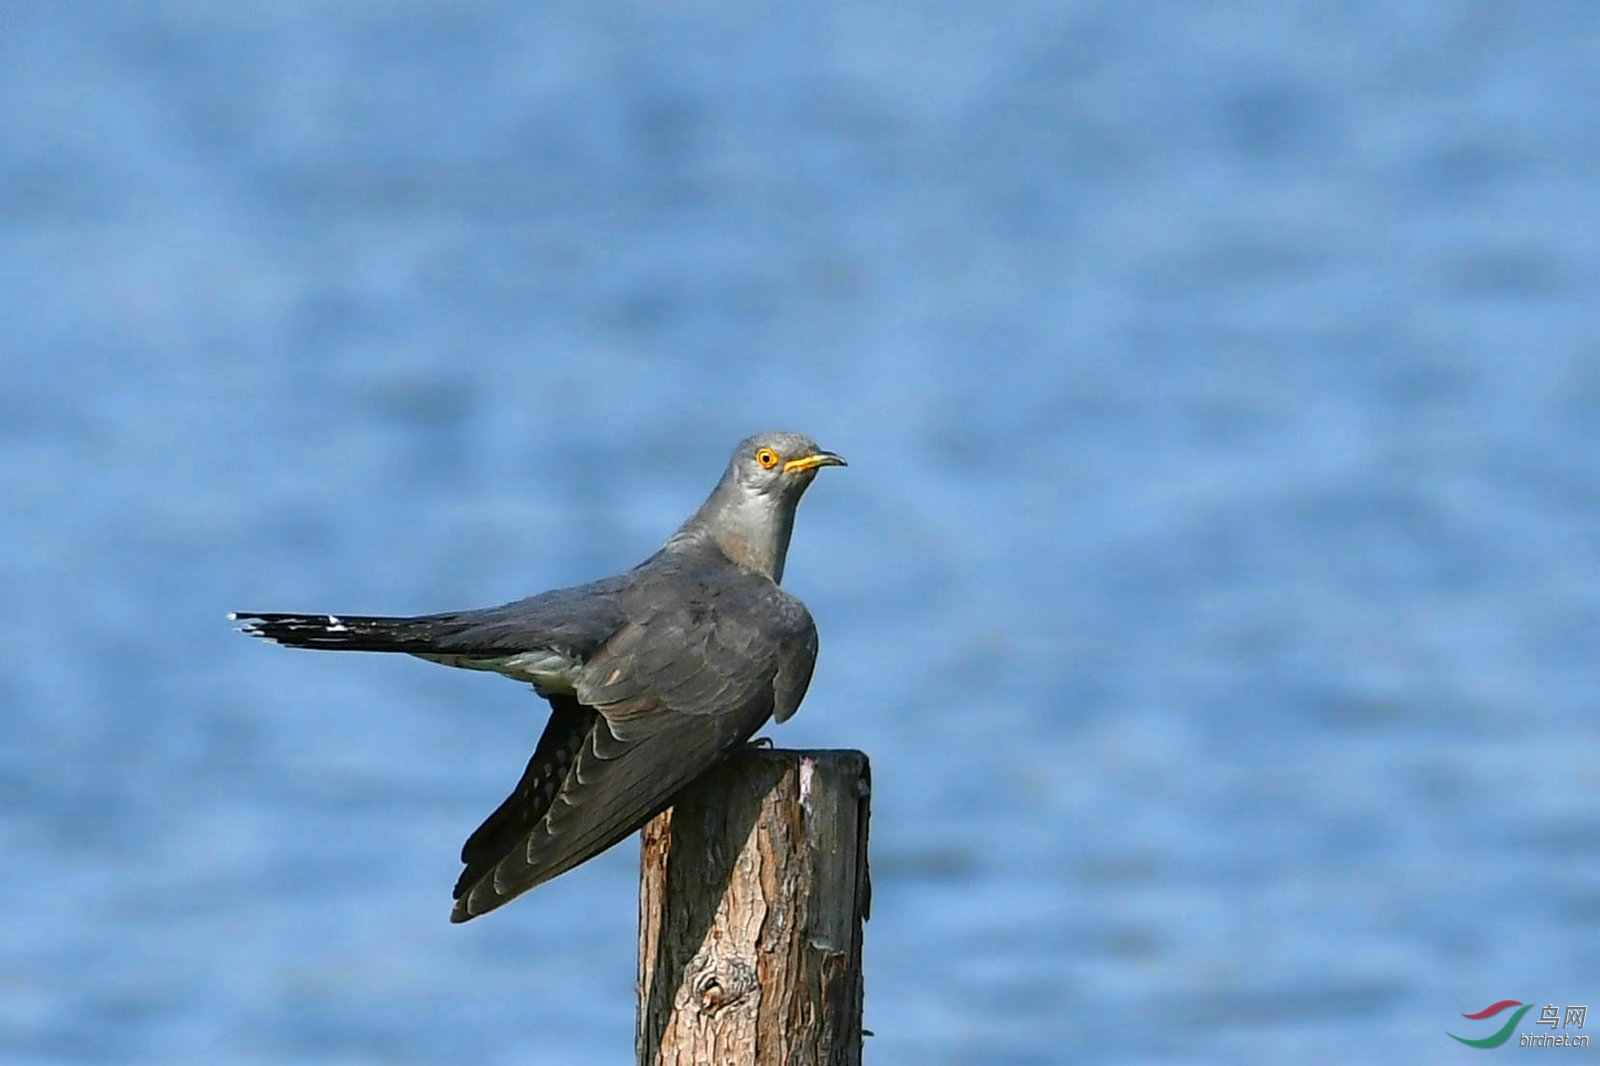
(724, 984)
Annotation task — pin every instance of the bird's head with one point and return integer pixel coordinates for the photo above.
(779, 464)
(750, 513)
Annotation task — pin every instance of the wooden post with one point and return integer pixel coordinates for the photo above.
(752, 893)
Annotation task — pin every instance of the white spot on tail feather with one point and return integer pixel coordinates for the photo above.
(336, 626)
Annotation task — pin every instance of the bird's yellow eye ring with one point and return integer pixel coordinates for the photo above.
(767, 458)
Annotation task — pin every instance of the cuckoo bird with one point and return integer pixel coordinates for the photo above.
(652, 675)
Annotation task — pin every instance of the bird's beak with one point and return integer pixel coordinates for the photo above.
(811, 462)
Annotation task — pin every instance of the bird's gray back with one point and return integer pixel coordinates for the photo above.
(703, 636)
(689, 623)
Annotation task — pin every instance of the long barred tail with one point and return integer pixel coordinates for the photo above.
(338, 632)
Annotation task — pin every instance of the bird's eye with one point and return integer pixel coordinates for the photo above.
(767, 458)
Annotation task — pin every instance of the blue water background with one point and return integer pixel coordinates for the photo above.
(1215, 583)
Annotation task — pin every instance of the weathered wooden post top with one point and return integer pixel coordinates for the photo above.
(753, 890)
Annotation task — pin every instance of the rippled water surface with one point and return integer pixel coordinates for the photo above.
(1215, 583)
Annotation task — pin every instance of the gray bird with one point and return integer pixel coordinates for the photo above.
(652, 675)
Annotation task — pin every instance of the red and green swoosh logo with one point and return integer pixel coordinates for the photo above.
(1505, 1031)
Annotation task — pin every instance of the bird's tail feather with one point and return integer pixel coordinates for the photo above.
(348, 632)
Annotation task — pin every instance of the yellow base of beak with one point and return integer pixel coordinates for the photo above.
(811, 462)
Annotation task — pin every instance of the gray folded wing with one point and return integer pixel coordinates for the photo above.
(696, 670)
